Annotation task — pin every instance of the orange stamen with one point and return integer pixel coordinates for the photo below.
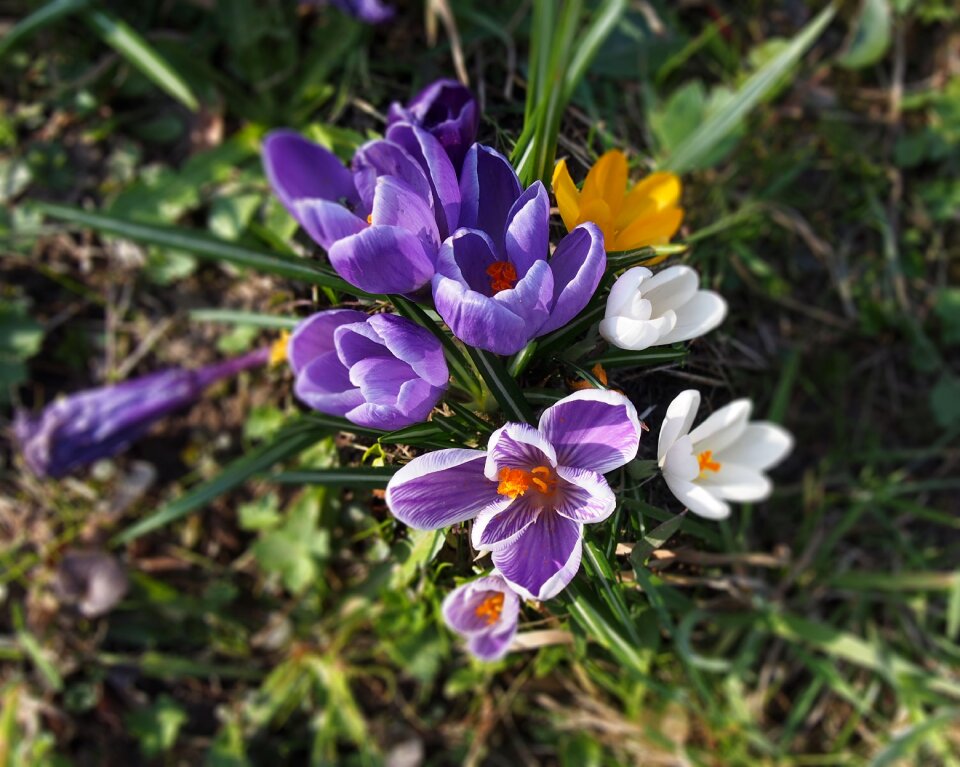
(369, 218)
(503, 276)
(516, 482)
(490, 608)
(705, 459)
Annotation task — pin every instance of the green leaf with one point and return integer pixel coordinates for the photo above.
(201, 245)
(295, 438)
(503, 387)
(945, 401)
(139, 53)
(20, 338)
(236, 317)
(655, 539)
(414, 554)
(623, 358)
(157, 727)
(721, 123)
(42, 17)
(346, 476)
(947, 308)
(871, 35)
(294, 550)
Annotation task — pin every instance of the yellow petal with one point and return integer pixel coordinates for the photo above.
(657, 192)
(656, 229)
(607, 180)
(598, 212)
(567, 194)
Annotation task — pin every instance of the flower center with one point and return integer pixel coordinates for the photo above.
(503, 276)
(515, 482)
(705, 459)
(490, 608)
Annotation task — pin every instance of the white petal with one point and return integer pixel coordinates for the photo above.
(671, 288)
(625, 289)
(736, 483)
(698, 499)
(701, 314)
(761, 446)
(678, 420)
(723, 427)
(680, 462)
(635, 334)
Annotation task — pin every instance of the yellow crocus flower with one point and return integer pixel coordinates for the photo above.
(647, 214)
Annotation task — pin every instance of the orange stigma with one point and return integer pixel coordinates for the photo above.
(369, 218)
(503, 276)
(490, 608)
(515, 482)
(705, 459)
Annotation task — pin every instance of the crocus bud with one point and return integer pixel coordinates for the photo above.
(81, 428)
(646, 309)
(485, 613)
(446, 109)
(382, 372)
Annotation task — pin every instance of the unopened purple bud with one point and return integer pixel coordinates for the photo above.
(78, 429)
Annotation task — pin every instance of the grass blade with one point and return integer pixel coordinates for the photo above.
(249, 319)
(504, 388)
(348, 476)
(39, 19)
(140, 54)
(690, 154)
(623, 358)
(201, 245)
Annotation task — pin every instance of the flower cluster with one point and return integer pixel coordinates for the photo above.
(428, 219)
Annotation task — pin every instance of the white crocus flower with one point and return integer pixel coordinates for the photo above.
(646, 309)
(723, 459)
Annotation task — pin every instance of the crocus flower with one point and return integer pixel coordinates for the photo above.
(447, 110)
(646, 309)
(381, 222)
(367, 11)
(531, 490)
(484, 612)
(647, 214)
(723, 459)
(382, 372)
(495, 287)
(83, 427)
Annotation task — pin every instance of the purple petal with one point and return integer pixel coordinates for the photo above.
(367, 11)
(385, 158)
(441, 488)
(437, 168)
(531, 298)
(359, 341)
(495, 529)
(299, 169)
(577, 264)
(527, 236)
(325, 221)
(325, 385)
(465, 257)
(488, 188)
(544, 559)
(415, 345)
(491, 646)
(393, 417)
(396, 204)
(584, 496)
(382, 259)
(314, 335)
(517, 446)
(380, 379)
(448, 111)
(593, 429)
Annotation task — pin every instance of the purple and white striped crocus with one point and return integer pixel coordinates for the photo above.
(382, 372)
(382, 221)
(531, 491)
(81, 428)
(494, 285)
(447, 110)
(484, 612)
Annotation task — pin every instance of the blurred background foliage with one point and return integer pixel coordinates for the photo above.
(285, 625)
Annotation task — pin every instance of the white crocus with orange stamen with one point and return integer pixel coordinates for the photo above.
(646, 309)
(723, 459)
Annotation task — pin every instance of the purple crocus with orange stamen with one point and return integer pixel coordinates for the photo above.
(97, 423)
(495, 286)
(448, 111)
(531, 491)
(484, 612)
(382, 221)
(382, 372)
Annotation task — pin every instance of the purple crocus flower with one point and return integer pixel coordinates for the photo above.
(382, 372)
(380, 222)
(531, 491)
(447, 110)
(369, 11)
(494, 285)
(81, 428)
(484, 612)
